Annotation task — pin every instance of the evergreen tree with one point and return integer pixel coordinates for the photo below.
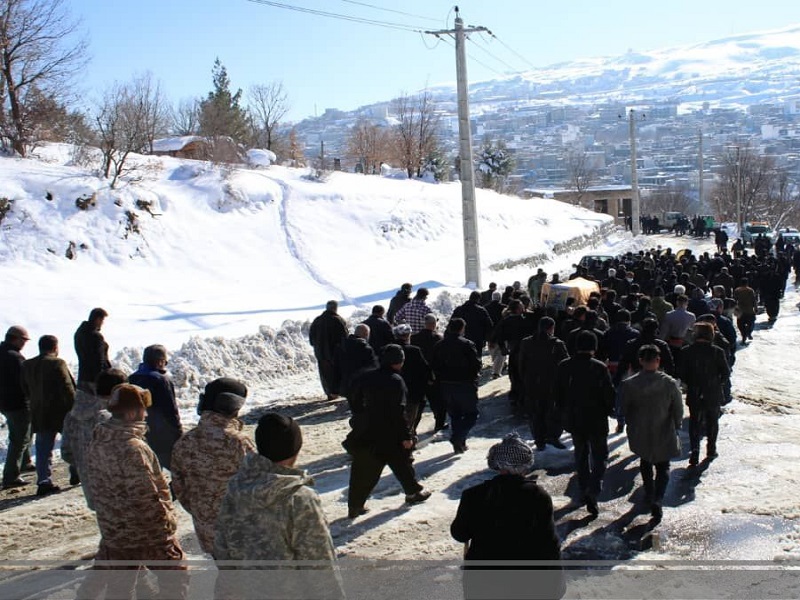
(495, 164)
(220, 113)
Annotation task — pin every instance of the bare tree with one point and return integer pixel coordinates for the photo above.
(268, 104)
(37, 40)
(126, 123)
(581, 173)
(186, 117)
(755, 177)
(672, 198)
(367, 145)
(416, 134)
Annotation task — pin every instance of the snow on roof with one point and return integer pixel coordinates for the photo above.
(173, 144)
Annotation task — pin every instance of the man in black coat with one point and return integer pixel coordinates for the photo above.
(705, 372)
(456, 366)
(380, 330)
(326, 333)
(479, 323)
(486, 295)
(397, 302)
(539, 358)
(92, 349)
(629, 363)
(353, 356)
(381, 434)
(585, 399)
(15, 407)
(509, 334)
(508, 518)
(425, 339)
(416, 374)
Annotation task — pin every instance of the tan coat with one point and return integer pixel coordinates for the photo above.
(203, 461)
(130, 495)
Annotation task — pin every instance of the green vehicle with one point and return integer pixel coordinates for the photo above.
(711, 223)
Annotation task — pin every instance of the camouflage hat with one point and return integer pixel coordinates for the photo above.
(127, 396)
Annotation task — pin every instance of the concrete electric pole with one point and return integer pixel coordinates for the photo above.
(472, 258)
(635, 223)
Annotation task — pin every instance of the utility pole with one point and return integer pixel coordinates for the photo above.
(700, 169)
(472, 260)
(739, 223)
(635, 224)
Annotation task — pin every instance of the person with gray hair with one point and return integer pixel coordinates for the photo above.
(163, 419)
(508, 518)
(353, 356)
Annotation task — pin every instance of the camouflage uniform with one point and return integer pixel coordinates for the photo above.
(270, 512)
(79, 424)
(130, 495)
(203, 461)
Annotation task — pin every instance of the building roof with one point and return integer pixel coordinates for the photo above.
(174, 144)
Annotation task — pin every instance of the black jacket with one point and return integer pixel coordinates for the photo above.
(704, 370)
(11, 396)
(416, 373)
(630, 357)
(584, 395)
(378, 403)
(92, 351)
(455, 359)
(507, 518)
(479, 323)
(380, 332)
(425, 340)
(539, 357)
(353, 355)
(510, 332)
(396, 303)
(326, 333)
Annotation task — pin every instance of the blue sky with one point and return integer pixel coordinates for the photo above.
(325, 62)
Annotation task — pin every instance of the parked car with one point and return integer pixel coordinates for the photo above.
(595, 264)
(671, 219)
(753, 229)
(789, 235)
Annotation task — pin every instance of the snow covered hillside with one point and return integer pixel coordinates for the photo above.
(187, 248)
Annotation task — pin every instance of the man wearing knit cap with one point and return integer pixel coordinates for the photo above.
(131, 498)
(381, 433)
(15, 407)
(271, 511)
(508, 518)
(205, 458)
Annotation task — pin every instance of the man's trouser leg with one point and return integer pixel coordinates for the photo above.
(695, 433)
(711, 418)
(646, 470)
(401, 463)
(462, 405)
(45, 441)
(662, 479)
(19, 441)
(599, 448)
(580, 444)
(365, 471)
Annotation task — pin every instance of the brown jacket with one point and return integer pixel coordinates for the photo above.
(50, 389)
(130, 495)
(203, 461)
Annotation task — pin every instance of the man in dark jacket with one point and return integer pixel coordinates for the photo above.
(508, 518)
(425, 340)
(397, 302)
(456, 366)
(380, 330)
(15, 407)
(163, 420)
(50, 389)
(353, 356)
(416, 374)
(705, 372)
(326, 333)
(539, 358)
(509, 334)
(585, 399)
(92, 349)
(479, 323)
(381, 433)
(629, 363)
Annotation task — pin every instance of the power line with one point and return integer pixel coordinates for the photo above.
(486, 50)
(472, 58)
(514, 52)
(398, 12)
(322, 13)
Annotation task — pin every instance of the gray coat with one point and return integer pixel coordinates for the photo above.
(653, 408)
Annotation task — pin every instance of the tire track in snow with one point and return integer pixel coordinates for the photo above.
(293, 247)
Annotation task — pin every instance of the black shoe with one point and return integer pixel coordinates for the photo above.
(420, 496)
(620, 428)
(46, 489)
(694, 458)
(591, 505)
(74, 479)
(14, 483)
(441, 427)
(495, 376)
(353, 513)
(556, 443)
(29, 468)
(459, 447)
(711, 454)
